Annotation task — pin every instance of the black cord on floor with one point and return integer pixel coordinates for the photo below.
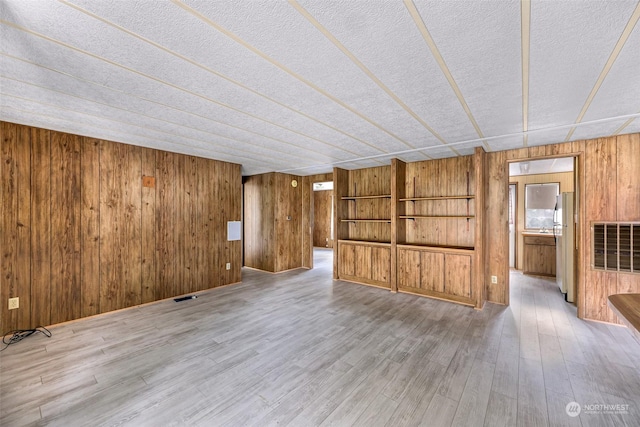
(20, 334)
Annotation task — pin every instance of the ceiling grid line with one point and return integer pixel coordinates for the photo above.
(525, 18)
(628, 29)
(116, 64)
(214, 72)
(624, 125)
(286, 69)
(422, 27)
(366, 70)
(280, 152)
(129, 94)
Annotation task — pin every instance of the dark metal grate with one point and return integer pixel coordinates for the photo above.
(616, 246)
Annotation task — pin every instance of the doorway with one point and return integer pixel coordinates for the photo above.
(322, 233)
(512, 224)
(535, 187)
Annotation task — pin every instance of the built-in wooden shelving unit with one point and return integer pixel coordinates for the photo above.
(413, 227)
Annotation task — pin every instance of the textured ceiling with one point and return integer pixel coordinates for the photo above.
(302, 86)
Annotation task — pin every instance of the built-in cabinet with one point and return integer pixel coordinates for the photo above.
(436, 272)
(413, 227)
(539, 254)
(366, 262)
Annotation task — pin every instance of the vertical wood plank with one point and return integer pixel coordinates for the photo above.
(190, 225)
(203, 224)
(627, 182)
(66, 290)
(148, 229)
(8, 221)
(480, 230)
(340, 211)
(23, 227)
(165, 225)
(230, 190)
(179, 225)
(120, 236)
(309, 226)
(496, 242)
(40, 227)
(90, 226)
(398, 226)
(600, 204)
(582, 228)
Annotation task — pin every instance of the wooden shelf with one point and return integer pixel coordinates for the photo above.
(444, 248)
(382, 196)
(365, 242)
(366, 220)
(435, 216)
(416, 199)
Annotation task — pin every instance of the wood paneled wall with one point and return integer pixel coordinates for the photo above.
(612, 193)
(81, 235)
(288, 219)
(566, 185)
(609, 191)
(273, 215)
(259, 220)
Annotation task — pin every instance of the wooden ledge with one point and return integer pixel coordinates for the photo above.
(627, 307)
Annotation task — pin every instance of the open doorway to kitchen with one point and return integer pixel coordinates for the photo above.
(542, 237)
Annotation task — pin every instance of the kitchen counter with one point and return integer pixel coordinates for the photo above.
(537, 233)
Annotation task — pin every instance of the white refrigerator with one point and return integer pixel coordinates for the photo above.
(563, 231)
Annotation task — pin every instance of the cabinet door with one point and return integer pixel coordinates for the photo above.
(432, 268)
(380, 264)
(408, 268)
(363, 261)
(347, 260)
(457, 275)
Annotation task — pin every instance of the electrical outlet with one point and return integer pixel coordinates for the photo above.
(228, 266)
(14, 303)
(494, 280)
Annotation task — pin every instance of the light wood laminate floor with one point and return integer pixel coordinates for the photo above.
(299, 349)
